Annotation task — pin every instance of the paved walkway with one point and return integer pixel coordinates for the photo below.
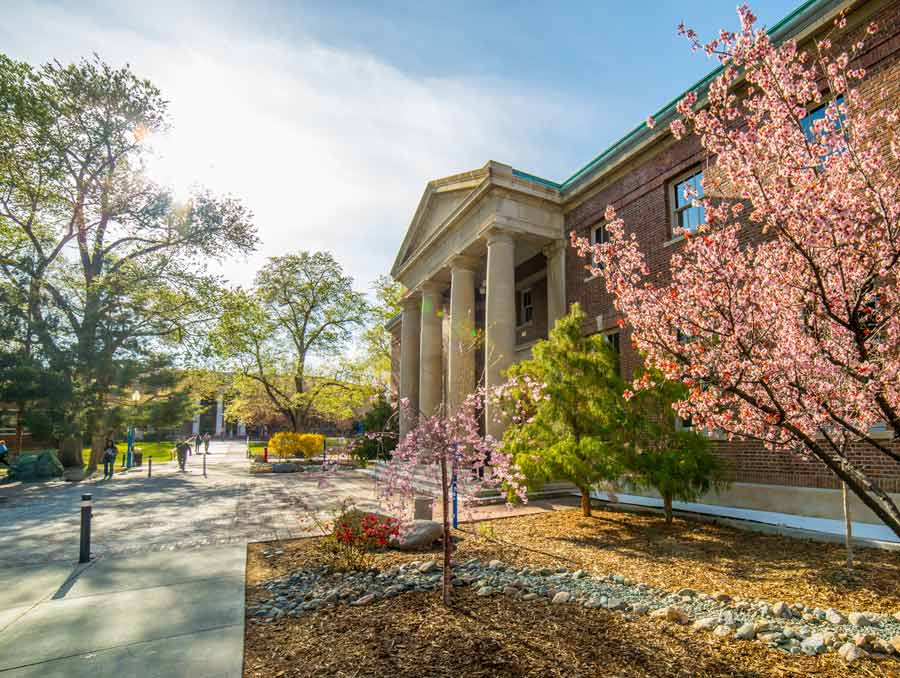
(164, 594)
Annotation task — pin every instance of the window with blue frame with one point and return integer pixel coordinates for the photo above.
(686, 215)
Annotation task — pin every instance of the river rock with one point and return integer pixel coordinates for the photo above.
(745, 632)
(365, 600)
(850, 652)
(859, 619)
(722, 631)
(814, 645)
(705, 624)
(670, 613)
(561, 598)
(782, 610)
(832, 616)
(419, 534)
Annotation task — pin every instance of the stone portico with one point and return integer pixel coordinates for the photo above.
(484, 263)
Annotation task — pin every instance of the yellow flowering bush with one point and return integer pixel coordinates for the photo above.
(291, 444)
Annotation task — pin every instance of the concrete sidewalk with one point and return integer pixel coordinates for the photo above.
(158, 614)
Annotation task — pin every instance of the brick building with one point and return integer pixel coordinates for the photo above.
(489, 269)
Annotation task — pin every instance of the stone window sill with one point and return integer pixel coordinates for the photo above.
(673, 241)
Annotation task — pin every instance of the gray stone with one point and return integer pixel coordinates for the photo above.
(495, 565)
(722, 631)
(849, 652)
(746, 632)
(485, 591)
(594, 601)
(782, 610)
(832, 616)
(616, 604)
(428, 566)
(859, 619)
(814, 645)
(770, 637)
(690, 593)
(365, 600)
(721, 597)
(640, 608)
(285, 467)
(561, 598)
(705, 624)
(528, 597)
(419, 534)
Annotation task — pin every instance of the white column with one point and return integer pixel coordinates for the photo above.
(410, 326)
(500, 315)
(461, 361)
(556, 282)
(195, 425)
(430, 353)
(220, 414)
(241, 428)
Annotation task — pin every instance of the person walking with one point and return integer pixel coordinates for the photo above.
(206, 439)
(109, 459)
(197, 440)
(4, 453)
(182, 449)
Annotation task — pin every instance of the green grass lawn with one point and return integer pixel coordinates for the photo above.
(157, 451)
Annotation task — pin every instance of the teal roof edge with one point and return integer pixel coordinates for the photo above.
(783, 26)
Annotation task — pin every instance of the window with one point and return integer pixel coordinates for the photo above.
(816, 114)
(684, 214)
(599, 234)
(612, 338)
(526, 310)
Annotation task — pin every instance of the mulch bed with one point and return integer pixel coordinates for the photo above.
(414, 635)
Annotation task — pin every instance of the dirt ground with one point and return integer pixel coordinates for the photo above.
(414, 635)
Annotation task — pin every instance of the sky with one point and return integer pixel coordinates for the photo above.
(328, 118)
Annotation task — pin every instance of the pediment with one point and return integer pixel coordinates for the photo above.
(439, 201)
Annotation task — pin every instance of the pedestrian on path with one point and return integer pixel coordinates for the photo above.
(197, 440)
(4, 453)
(182, 449)
(206, 439)
(109, 458)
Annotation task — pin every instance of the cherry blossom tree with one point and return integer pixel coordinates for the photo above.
(781, 313)
(439, 447)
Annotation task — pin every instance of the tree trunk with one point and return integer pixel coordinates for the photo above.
(20, 432)
(848, 527)
(667, 507)
(869, 494)
(585, 501)
(97, 440)
(448, 544)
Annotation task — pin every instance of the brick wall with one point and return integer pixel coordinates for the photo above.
(639, 192)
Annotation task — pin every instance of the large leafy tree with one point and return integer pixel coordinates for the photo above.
(376, 338)
(111, 270)
(284, 337)
(790, 339)
(566, 409)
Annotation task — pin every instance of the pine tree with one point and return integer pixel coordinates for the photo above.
(662, 453)
(573, 429)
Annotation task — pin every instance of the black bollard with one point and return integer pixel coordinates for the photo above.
(204, 465)
(150, 467)
(85, 553)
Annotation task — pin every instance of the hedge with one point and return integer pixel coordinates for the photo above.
(290, 444)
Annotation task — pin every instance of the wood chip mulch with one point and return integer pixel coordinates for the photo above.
(414, 635)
